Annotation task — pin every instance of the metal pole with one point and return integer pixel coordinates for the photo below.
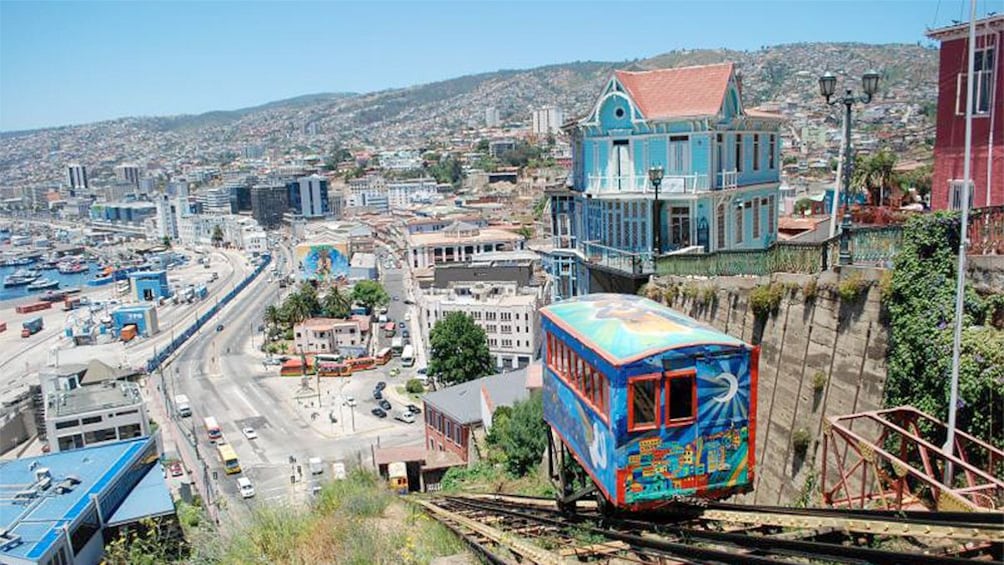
(837, 191)
(656, 227)
(845, 223)
(960, 275)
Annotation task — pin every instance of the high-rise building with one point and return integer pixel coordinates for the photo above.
(308, 196)
(268, 203)
(546, 120)
(77, 175)
(167, 217)
(492, 117)
(129, 173)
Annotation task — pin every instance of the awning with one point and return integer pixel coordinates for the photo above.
(149, 499)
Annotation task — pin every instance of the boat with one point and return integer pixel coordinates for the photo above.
(72, 268)
(48, 265)
(43, 284)
(18, 262)
(21, 277)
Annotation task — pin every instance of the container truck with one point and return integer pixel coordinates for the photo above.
(31, 327)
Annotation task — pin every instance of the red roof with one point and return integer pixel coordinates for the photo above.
(680, 92)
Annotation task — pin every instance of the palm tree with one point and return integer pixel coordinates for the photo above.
(217, 237)
(297, 308)
(273, 317)
(875, 174)
(337, 304)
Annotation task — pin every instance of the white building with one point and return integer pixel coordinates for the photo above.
(546, 120)
(492, 119)
(508, 314)
(457, 242)
(366, 188)
(401, 160)
(166, 218)
(241, 232)
(82, 416)
(402, 194)
(128, 173)
(77, 176)
(215, 201)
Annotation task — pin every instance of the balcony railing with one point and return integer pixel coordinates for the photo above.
(728, 179)
(671, 184)
(617, 259)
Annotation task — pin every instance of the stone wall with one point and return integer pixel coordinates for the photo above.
(844, 341)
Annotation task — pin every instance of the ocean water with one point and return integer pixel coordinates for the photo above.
(78, 280)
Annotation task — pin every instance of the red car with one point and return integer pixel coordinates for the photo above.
(176, 469)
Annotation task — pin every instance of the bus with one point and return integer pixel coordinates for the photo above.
(229, 459)
(362, 363)
(212, 429)
(383, 356)
(408, 356)
(389, 329)
(397, 345)
(333, 369)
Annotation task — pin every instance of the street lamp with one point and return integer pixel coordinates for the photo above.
(827, 88)
(655, 176)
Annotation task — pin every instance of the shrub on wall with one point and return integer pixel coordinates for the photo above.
(765, 299)
(851, 287)
(810, 289)
(921, 304)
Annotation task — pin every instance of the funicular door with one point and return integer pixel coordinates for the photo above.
(723, 408)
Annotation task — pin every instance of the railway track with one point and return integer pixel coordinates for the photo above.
(512, 529)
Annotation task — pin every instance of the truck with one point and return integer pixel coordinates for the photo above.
(182, 405)
(316, 466)
(31, 327)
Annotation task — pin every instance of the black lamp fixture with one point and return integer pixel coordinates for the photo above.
(655, 176)
(827, 88)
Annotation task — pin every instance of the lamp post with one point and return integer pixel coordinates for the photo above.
(655, 176)
(827, 87)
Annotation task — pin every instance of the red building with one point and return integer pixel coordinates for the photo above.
(987, 166)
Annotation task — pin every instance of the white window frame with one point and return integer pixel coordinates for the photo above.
(983, 75)
(955, 194)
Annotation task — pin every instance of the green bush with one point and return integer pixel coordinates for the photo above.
(709, 294)
(691, 291)
(810, 289)
(765, 299)
(670, 293)
(800, 440)
(818, 381)
(414, 386)
(851, 287)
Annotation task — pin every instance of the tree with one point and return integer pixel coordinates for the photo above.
(336, 304)
(459, 350)
(370, 294)
(917, 179)
(217, 237)
(521, 434)
(273, 317)
(166, 241)
(875, 174)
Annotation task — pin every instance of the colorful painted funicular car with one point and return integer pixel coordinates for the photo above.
(655, 406)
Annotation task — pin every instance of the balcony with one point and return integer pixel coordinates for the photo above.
(630, 184)
(618, 260)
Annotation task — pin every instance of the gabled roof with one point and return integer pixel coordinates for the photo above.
(462, 402)
(680, 92)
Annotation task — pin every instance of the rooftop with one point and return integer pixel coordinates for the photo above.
(443, 237)
(104, 396)
(680, 92)
(462, 402)
(37, 515)
(623, 327)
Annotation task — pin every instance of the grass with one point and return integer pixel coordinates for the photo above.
(355, 521)
(484, 476)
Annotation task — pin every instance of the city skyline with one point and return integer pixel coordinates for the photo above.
(74, 63)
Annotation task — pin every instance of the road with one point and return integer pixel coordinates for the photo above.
(223, 374)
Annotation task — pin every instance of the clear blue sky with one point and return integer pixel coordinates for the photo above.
(77, 62)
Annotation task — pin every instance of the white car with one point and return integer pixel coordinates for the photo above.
(250, 433)
(245, 486)
(349, 401)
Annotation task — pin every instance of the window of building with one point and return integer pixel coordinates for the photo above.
(507, 329)
(681, 401)
(983, 66)
(643, 396)
(720, 220)
(679, 226)
(756, 151)
(506, 316)
(756, 218)
(739, 153)
(771, 210)
(956, 186)
(739, 224)
(772, 153)
(130, 431)
(67, 424)
(106, 434)
(75, 441)
(91, 420)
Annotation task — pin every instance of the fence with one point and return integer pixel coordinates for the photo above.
(986, 231)
(161, 355)
(783, 257)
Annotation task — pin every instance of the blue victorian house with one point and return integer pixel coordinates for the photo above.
(720, 171)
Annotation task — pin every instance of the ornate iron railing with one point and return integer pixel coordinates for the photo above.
(781, 257)
(876, 244)
(671, 184)
(986, 231)
(617, 259)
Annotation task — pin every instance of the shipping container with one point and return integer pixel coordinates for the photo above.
(128, 332)
(33, 307)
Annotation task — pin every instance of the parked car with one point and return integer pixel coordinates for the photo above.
(409, 301)
(377, 395)
(422, 371)
(402, 325)
(250, 433)
(272, 361)
(405, 333)
(380, 386)
(219, 328)
(379, 413)
(245, 486)
(176, 469)
(413, 409)
(395, 298)
(349, 401)
(406, 417)
(385, 404)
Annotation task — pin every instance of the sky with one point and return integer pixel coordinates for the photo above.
(64, 63)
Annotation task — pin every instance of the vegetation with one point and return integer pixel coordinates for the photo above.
(370, 294)
(521, 435)
(217, 237)
(921, 303)
(458, 350)
(810, 289)
(336, 304)
(447, 170)
(819, 381)
(800, 440)
(765, 299)
(851, 287)
(414, 386)
(166, 241)
(875, 175)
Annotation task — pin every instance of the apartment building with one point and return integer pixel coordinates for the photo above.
(457, 242)
(94, 414)
(328, 335)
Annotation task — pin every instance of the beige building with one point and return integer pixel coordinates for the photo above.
(328, 335)
(458, 242)
(507, 312)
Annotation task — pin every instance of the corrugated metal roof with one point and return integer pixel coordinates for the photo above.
(462, 402)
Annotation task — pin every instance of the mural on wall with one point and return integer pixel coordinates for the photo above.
(322, 262)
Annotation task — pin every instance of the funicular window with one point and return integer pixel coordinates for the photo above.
(681, 390)
(589, 383)
(643, 399)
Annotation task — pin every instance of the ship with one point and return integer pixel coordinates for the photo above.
(72, 268)
(21, 277)
(43, 284)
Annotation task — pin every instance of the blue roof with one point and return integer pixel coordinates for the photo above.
(38, 520)
(624, 327)
(149, 498)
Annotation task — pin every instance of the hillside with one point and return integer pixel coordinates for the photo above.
(416, 115)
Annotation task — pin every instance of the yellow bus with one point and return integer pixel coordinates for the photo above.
(229, 458)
